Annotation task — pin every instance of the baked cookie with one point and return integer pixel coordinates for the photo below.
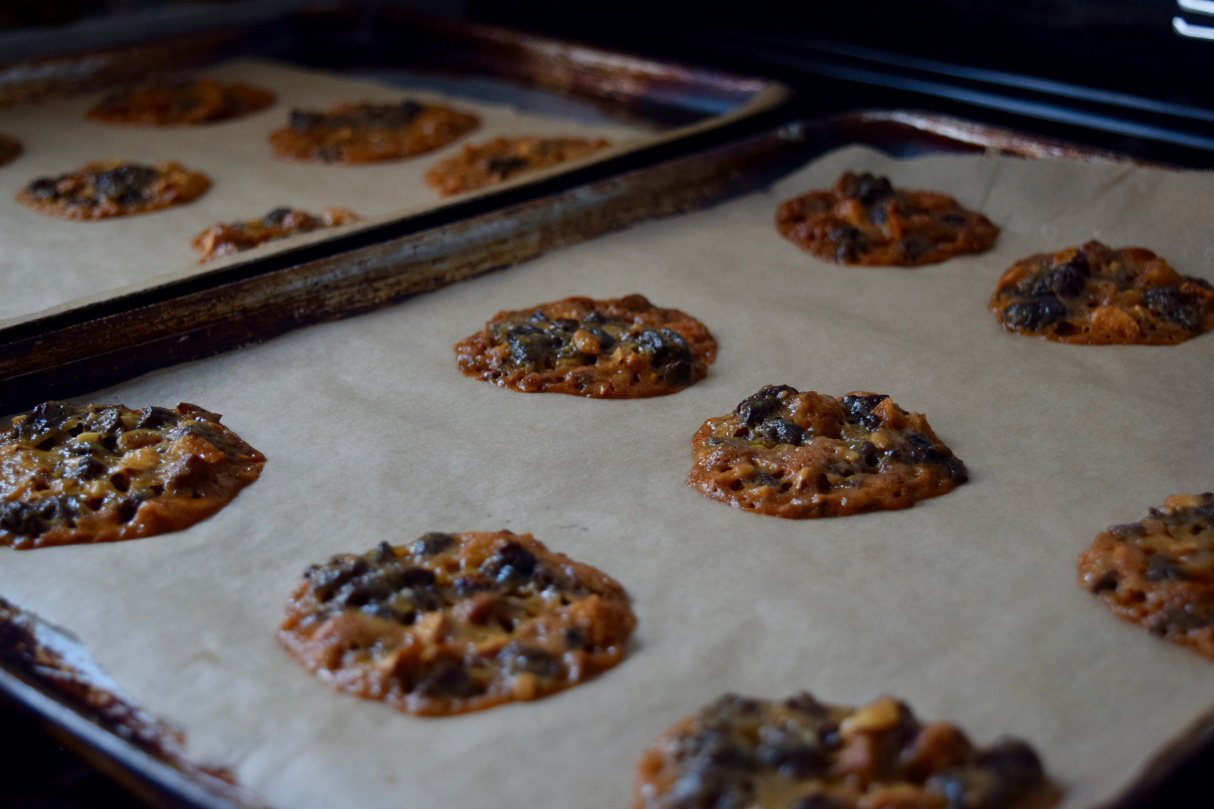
(1159, 573)
(799, 753)
(184, 103)
(101, 473)
(864, 220)
(800, 455)
(366, 133)
(504, 159)
(225, 238)
(114, 188)
(1095, 295)
(621, 348)
(10, 149)
(452, 623)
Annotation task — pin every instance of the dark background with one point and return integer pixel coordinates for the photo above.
(1109, 73)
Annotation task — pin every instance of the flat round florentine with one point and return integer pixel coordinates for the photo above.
(225, 238)
(101, 473)
(452, 623)
(504, 159)
(864, 220)
(800, 455)
(10, 149)
(366, 133)
(621, 348)
(114, 188)
(1097, 295)
(799, 753)
(198, 101)
(1159, 572)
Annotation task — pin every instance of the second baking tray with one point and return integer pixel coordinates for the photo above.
(517, 84)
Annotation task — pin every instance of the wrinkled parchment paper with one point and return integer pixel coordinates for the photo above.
(966, 605)
(50, 263)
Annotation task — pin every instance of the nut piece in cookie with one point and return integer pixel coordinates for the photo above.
(10, 149)
(801, 455)
(1095, 295)
(451, 623)
(1159, 572)
(366, 133)
(799, 753)
(225, 238)
(504, 159)
(102, 473)
(865, 220)
(621, 348)
(114, 188)
(185, 103)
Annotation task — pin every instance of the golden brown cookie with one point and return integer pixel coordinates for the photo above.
(366, 133)
(1159, 572)
(452, 623)
(225, 238)
(102, 473)
(800, 455)
(114, 188)
(799, 753)
(1095, 295)
(864, 220)
(504, 159)
(185, 103)
(10, 149)
(621, 348)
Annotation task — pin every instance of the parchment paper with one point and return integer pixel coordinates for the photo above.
(49, 262)
(966, 605)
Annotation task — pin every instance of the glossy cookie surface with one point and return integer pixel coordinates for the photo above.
(1159, 572)
(798, 455)
(367, 133)
(101, 473)
(620, 348)
(114, 188)
(504, 159)
(452, 623)
(863, 219)
(1097, 295)
(198, 101)
(225, 238)
(799, 753)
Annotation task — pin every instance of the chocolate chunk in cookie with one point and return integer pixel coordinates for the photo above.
(1095, 295)
(451, 623)
(800, 455)
(102, 473)
(366, 133)
(185, 103)
(865, 220)
(10, 149)
(622, 348)
(799, 753)
(114, 188)
(1159, 572)
(504, 159)
(226, 238)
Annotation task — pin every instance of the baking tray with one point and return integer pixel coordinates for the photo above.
(518, 84)
(105, 343)
(146, 761)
